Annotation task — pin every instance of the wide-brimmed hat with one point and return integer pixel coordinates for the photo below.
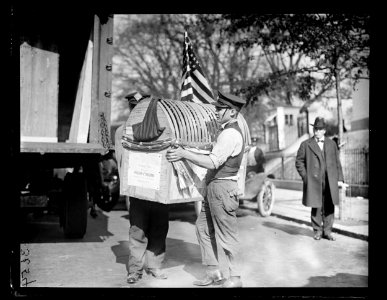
(229, 101)
(319, 123)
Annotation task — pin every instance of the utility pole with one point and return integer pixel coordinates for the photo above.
(339, 110)
(343, 205)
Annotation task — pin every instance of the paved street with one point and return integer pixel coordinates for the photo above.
(274, 253)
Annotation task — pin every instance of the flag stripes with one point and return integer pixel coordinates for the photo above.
(194, 85)
(201, 92)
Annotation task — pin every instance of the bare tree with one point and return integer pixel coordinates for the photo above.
(149, 48)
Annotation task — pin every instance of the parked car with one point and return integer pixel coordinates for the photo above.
(258, 186)
(110, 188)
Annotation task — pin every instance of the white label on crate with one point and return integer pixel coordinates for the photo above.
(144, 170)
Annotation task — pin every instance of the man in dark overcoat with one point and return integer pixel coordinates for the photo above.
(318, 164)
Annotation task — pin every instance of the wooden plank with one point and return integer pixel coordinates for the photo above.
(35, 147)
(84, 118)
(41, 139)
(81, 115)
(77, 106)
(39, 73)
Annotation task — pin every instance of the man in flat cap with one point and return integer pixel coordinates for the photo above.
(133, 99)
(217, 220)
(319, 166)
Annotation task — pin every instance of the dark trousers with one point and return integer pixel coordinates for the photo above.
(149, 223)
(323, 217)
(217, 222)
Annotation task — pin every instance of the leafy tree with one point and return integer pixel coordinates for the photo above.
(336, 44)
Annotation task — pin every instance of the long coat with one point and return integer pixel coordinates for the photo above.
(309, 165)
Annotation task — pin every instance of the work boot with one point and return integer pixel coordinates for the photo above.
(133, 277)
(329, 236)
(212, 277)
(317, 235)
(157, 273)
(233, 282)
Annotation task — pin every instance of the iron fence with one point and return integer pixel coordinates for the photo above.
(355, 164)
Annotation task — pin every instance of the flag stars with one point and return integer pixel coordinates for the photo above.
(194, 85)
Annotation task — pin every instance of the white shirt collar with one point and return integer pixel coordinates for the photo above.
(228, 122)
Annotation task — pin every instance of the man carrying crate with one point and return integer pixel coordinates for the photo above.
(149, 223)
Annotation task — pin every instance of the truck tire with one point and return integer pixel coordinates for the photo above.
(75, 205)
(265, 198)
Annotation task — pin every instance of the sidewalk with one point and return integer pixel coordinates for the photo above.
(288, 205)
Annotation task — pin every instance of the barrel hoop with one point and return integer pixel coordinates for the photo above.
(170, 118)
(178, 122)
(201, 131)
(193, 125)
(187, 120)
(212, 124)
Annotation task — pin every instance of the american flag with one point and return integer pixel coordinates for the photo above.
(194, 85)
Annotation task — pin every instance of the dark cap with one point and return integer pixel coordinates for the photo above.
(229, 101)
(319, 123)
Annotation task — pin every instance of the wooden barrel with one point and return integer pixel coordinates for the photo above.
(146, 173)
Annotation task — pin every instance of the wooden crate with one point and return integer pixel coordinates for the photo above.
(39, 71)
(146, 174)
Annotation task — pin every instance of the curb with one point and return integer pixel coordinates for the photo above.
(336, 230)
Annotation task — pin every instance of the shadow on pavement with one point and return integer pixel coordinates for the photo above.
(288, 228)
(46, 229)
(125, 216)
(184, 253)
(178, 253)
(121, 252)
(339, 280)
(246, 211)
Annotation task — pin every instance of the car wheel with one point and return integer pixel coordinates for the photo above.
(265, 198)
(109, 196)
